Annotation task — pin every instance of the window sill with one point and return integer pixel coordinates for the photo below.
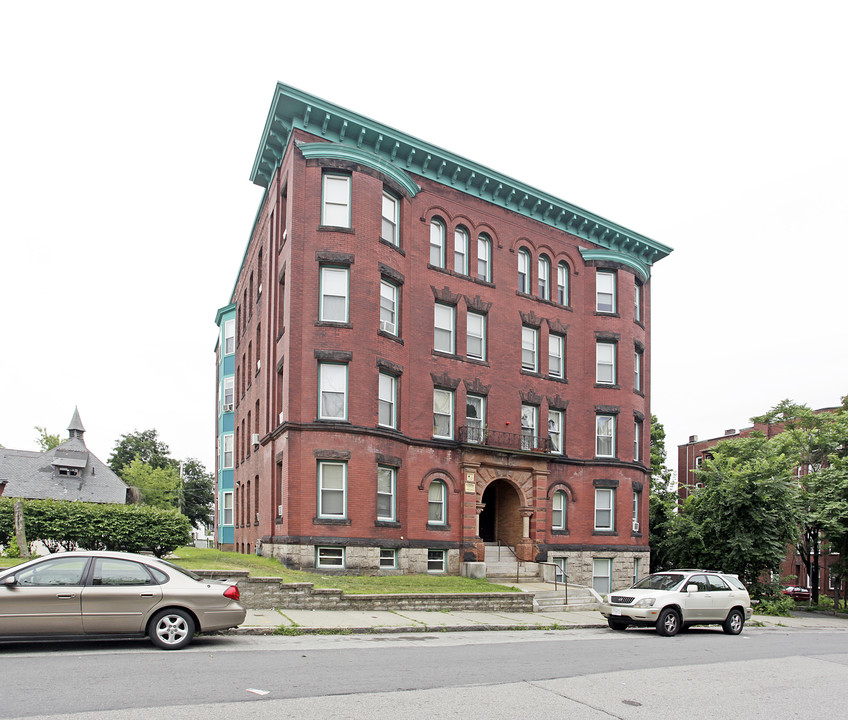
(333, 323)
(461, 276)
(387, 523)
(606, 533)
(608, 386)
(389, 336)
(334, 228)
(554, 378)
(560, 532)
(544, 301)
(438, 528)
(443, 354)
(394, 247)
(531, 373)
(330, 521)
(598, 313)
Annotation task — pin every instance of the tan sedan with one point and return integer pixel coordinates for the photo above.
(104, 593)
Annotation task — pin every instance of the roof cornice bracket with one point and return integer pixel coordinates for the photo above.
(361, 138)
(326, 123)
(306, 117)
(343, 131)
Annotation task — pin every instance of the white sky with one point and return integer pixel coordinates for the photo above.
(128, 131)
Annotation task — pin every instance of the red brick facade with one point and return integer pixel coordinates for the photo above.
(282, 343)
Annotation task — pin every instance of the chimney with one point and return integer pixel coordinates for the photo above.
(731, 431)
(693, 438)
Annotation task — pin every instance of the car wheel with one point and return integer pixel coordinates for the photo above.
(668, 623)
(171, 629)
(617, 624)
(734, 623)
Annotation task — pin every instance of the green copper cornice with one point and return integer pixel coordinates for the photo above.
(363, 157)
(292, 108)
(619, 257)
(223, 311)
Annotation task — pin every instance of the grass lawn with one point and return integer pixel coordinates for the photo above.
(208, 559)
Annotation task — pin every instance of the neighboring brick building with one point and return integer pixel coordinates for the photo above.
(689, 458)
(429, 355)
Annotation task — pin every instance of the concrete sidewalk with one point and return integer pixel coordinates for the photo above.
(390, 621)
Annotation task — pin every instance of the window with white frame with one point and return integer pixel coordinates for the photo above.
(330, 557)
(442, 413)
(389, 231)
(637, 302)
(637, 371)
(437, 243)
(227, 454)
(637, 440)
(604, 509)
(388, 558)
(334, 294)
(637, 499)
(556, 355)
(443, 328)
(475, 325)
(562, 283)
(460, 251)
(602, 575)
(333, 383)
(435, 561)
(561, 565)
(605, 435)
(229, 337)
(605, 291)
(605, 363)
(227, 509)
(386, 493)
(636, 569)
(387, 399)
(544, 279)
(332, 486)
(529, 424)
(229, 393)
(475, 417)
(555, 430)
(529, 349)
(436, 495)
(484, 258)
(523, 271)
(558, 511)
(336, 205)
(388, 307)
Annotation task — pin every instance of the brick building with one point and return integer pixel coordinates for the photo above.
(426, 356)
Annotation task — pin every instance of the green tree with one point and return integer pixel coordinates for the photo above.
(744, 516)
(146, 446)
(198, 492)
(159, 486)
(662, 501)
(812, 441)
(46, 441)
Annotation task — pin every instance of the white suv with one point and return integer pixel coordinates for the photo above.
(676, 599)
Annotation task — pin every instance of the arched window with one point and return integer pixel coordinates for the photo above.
(562, 284)
(484, 258)
(460, 251)
(436, 512)
(558, 510)
(544, 278)
(523, 271)
(437, 243)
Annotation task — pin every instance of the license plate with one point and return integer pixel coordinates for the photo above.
(616, 611)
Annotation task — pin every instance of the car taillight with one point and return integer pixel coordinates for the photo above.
(232, 592)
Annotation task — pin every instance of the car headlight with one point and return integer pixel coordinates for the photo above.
(644, 602)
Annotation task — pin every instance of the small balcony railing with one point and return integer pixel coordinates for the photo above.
(504, 440)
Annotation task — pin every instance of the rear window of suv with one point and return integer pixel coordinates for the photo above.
(735, 581)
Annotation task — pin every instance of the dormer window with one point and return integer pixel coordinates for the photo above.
(69, 472)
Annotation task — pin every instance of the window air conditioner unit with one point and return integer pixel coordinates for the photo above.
(388, 327)
(635, 526)
(228, 407)
(281, 416)
(258, 365)
(254, 439)
(257, 517)
(285, 234)
(279, 511)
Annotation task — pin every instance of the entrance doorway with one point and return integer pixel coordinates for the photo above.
(500, 519)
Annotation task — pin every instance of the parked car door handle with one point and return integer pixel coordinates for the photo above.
(146, 594)
(70, 596)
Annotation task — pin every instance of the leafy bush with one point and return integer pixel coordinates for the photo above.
(775, 605)
(92, 526)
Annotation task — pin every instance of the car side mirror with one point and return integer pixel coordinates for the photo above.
(9, 580)
(691, 588)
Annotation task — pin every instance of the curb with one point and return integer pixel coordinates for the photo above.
(395, 629)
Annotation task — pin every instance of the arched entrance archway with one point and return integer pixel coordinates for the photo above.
(500, 519)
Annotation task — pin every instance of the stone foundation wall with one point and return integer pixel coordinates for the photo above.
(258, 593)
(360, 559)
(580, 566)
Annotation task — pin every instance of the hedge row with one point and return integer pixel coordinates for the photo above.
(92, 526)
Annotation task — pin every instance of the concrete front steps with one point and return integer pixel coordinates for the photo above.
(502, 567)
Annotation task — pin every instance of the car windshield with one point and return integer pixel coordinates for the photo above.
(662, 581)
(179, 569)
